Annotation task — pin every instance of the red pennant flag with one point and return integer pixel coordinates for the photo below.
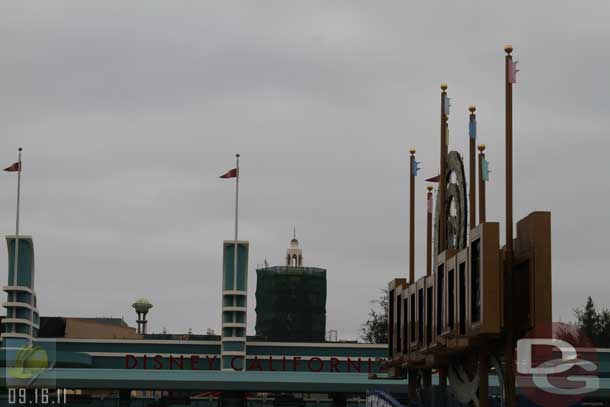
(230, 174)
(512, 71)
(434, 179)
(13, 167)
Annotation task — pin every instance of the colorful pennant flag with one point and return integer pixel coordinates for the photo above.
(230, 174)
(13, 167)
(512, 71)
(415, 167)
(434, 179)
(485, 170)
(430, 204)
(472, 129)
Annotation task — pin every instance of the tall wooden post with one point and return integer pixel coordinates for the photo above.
(442, 182)
(508, 254)
(481, 184)
(509, 153)
(429, 207)
(442, 186)
(412, 218)
(472, 167)
(484, 348)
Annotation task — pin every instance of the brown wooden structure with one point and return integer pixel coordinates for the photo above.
(481, 296)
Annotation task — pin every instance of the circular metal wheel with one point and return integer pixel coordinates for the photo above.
(456, 210)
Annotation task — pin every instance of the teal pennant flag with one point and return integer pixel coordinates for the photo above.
(485, 170)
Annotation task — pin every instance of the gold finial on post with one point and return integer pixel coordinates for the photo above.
(430, 188)
(481, 147)
(412, 151)
(472, 108)
(508, 49)
(443, 86)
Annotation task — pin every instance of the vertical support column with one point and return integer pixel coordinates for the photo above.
(426, 378)
(429, 207)
(412, 217)
(442, 182)
(509, 377)
(482, 209)
(484, 374)
(234, 305)
(139, 322)
(483, 356)
(412, 384)
(472, 167)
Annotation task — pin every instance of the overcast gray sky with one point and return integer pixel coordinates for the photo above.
(129, 111)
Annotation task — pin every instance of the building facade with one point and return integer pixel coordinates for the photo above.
(291, 300)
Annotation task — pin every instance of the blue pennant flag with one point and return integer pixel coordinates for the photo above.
(485, 170)
(447, 105)
(472, 129)
(415, 167)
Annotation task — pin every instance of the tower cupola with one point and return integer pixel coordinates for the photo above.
(294, 254)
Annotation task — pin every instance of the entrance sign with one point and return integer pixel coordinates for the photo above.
(263, 363)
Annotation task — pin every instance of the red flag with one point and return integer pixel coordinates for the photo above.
(434, 179)
(13, 167)
(230, 174)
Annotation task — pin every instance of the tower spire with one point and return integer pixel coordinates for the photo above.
(294, 254)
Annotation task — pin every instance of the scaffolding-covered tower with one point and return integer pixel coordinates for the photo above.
(291, 300)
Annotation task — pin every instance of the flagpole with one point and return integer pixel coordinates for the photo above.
(508, 253)
(236, 219)
(412, 218)
(429, 232)
(16, 262)
(16, 259)
(442, 186)
(482, 209)
(471, 168)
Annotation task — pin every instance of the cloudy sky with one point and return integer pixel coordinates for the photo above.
(129, 111)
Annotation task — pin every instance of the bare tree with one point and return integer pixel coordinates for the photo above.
(375, 329)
